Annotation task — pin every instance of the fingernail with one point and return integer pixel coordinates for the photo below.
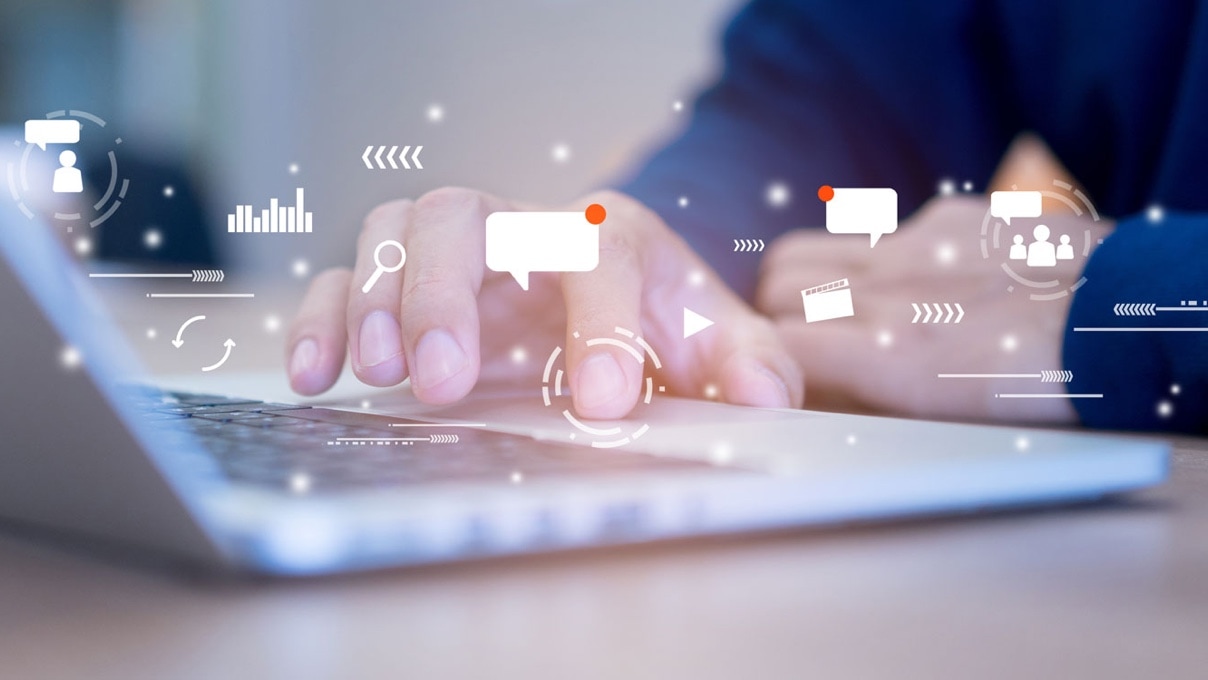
(438, 357)
(600, 381)
(304, 358)
(380, 339)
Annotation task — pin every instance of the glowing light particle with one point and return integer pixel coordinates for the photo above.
(517, 477)
(300, 268)
(519, 355)
(945, 253)
(272, 324)
(70, 358)
(169, 191)
(721, 453)
(1155, 214)
(299, 483)
(1009, 343)
(778, 195)
(1022, 443)
(436, 113)
(560, 153)
(1165, 409)
(711, 391)
(152, 239)
(885, 339)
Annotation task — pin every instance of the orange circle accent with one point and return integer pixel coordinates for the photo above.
(595, 213)
(825, 192)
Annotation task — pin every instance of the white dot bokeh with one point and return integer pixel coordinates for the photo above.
(153, 239)
(778, 194)
(519, 355)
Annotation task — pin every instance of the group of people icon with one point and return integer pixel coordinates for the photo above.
(1041, 253)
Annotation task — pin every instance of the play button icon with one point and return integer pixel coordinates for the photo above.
(694, 323)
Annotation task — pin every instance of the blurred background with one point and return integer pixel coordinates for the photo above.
(233, 101)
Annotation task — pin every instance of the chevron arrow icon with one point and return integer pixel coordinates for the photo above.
(208, 275)
(936, 312)
(369, 158)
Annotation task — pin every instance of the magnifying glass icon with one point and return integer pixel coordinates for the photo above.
(381, 268)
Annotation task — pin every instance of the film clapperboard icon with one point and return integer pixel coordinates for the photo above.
(828, 301)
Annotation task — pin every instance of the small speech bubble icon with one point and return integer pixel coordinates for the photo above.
(43, 132)
(523, 242)
(1008, 204)
(861, 211)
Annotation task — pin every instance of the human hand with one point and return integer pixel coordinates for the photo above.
(878, 359)
(446, 321)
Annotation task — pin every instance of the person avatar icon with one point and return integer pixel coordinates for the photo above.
(1018, 250)
(1041, 253)
(1065, 251)
(68, 179)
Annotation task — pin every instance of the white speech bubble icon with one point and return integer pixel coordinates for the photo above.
(520, 243)
(861, 211)
(1008, 204)
(43, 132)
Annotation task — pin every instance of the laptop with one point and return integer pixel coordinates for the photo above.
(93, 447)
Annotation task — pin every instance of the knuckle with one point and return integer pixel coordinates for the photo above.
(427, 286)
(618, 246)
(388, 210)
(451, 199)
(624, 209)
(329, 278)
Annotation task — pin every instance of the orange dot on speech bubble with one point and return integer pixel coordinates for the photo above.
(595, 213)
(825, 192)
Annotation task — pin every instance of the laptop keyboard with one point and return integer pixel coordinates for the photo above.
(304, 449)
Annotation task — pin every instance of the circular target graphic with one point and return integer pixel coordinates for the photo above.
(32, 180)
(552, 387)
(1007, 243)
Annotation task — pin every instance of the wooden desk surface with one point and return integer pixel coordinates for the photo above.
(1111, 590)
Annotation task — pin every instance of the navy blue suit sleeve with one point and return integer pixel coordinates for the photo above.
(846, 94)
(1150, 380)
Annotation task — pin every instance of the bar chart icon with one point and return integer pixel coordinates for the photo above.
(276, 219)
